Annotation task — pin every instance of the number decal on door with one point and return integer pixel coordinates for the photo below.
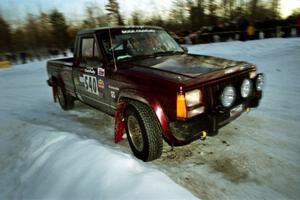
(90, 84)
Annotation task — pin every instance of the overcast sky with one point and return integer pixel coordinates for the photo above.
(17, 9)
(74, 9)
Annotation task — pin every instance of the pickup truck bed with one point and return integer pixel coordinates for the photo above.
(63, 62)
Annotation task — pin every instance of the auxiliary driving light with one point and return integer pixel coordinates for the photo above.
(228, 96)
(246, 88)
(260, 82)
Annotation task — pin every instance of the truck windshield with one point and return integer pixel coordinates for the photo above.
(130, 43)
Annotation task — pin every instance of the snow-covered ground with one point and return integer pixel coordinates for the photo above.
(46, 153)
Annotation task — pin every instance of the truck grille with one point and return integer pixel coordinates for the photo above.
(213, 92)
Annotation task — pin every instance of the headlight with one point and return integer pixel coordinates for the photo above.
(246, 88)
(260, 82)
(228, 96)
(193, 98)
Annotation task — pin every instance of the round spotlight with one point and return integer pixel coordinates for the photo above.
(228, 96)
(246, 88)
(260, 81)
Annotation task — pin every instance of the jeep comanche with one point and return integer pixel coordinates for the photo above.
(153, 87)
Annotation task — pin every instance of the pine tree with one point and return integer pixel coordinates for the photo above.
(59, 30)
(275, 9)
(179, 12)
(136, 17)
(197, 16)
(32, 39)
(5, 36)
(113, 10)
(94, 16)
(253, 8)
(212, 17)
(45, 30)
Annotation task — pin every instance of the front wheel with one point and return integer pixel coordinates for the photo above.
(143, 131)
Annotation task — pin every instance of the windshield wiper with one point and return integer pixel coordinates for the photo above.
(132, 57)
(161, 53)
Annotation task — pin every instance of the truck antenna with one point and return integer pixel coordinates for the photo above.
(112, 51)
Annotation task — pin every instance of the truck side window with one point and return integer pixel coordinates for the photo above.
(89, 51)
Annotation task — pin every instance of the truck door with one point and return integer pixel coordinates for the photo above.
(89, 76)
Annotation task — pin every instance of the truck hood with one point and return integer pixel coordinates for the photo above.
(188, 64)
(188, 67)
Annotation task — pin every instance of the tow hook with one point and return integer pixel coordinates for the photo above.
(203, 135)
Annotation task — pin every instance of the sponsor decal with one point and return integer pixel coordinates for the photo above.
(89, 71)
(90, 84)
(137, 31)
(101, 71)
(76, 81)
(81, 79)
(101, 84)
(113, 94)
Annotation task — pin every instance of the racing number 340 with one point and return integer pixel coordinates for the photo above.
(90, 84)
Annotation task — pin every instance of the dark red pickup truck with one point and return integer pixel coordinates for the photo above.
(153, 87)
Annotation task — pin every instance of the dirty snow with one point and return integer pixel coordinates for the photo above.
(258, 155)
(46, 153)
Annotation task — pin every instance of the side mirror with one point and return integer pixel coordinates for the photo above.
(185, 49)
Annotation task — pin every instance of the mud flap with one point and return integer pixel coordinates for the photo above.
(119, 122)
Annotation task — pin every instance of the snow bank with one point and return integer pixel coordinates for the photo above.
(47, 164)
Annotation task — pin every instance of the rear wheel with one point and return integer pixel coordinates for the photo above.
(65, 100)
(143, 131)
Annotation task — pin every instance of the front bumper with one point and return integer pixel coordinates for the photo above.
(190, 130)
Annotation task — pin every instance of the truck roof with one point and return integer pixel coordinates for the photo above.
(93, 30)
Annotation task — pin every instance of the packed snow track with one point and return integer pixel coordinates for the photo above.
(47, 153)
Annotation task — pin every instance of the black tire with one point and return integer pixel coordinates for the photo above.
(150, 131)
(65, 100)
